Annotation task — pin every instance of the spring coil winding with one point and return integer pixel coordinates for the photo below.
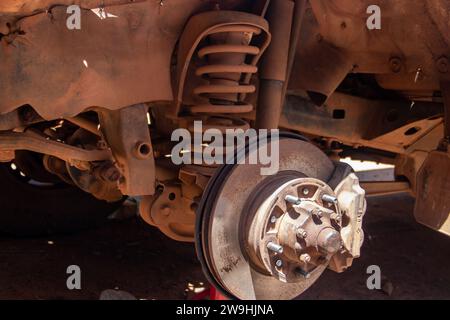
(228, 69)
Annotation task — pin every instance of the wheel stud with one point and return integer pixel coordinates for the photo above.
(329, 199)
(293, 200)
(275, 247)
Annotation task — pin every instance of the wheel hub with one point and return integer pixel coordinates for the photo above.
(293, 231)
(270, 238)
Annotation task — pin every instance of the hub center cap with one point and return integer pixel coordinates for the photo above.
(293, 228)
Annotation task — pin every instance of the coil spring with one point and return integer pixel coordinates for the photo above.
(227, 71)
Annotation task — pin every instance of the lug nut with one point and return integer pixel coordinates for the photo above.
(275, 247)
(292, 199)
(330, 199)
(273, 219)
(305, 191)
(306, 258)
(301, 233)
(279, 263)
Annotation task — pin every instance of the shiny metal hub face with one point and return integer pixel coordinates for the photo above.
(293, 228)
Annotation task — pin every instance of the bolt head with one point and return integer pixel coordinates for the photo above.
(279, 263)
(273, 219)
(305, 191)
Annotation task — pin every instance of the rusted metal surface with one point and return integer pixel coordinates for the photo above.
(86, 125)
(21, 117)
(353, 205)
(221, 231)
(274, 65)
(291, 232)
(226, 72)
(445, 88)
(62, 72)
(306, 66)
(171, 211)
(100, 181)
(127, 133)
(364, 122)
(10, 141)
(433, 192)
(336, 42)
(25, 7)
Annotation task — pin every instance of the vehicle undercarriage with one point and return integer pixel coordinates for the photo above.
(88, 114)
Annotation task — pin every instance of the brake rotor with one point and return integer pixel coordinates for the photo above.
(269, 237)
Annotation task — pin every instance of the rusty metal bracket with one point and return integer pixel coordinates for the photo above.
(127, 133)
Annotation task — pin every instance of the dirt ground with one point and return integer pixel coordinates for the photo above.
(131, 256)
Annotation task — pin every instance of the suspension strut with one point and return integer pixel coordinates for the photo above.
(228, 47)
(226, 58)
